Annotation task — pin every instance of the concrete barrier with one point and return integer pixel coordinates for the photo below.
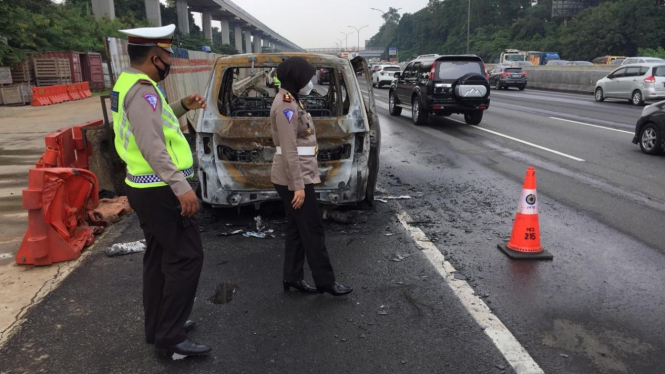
(566, 78)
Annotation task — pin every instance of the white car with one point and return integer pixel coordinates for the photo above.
(636, 83)
(642, 60)
(385, 75)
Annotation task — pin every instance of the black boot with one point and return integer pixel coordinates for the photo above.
(335, 289)
(300, 285)
(186, 348)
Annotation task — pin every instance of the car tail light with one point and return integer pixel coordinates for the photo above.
(524, 74)
(431, 72)
(482, 107)
(505, 74)
(487, 75)
(650, 79)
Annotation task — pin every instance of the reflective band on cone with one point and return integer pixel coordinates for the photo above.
(524, 241)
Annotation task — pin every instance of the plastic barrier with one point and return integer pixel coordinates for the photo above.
(73, 92)
(68, 147)
(57, 200)
(40, 97)
(84, 89)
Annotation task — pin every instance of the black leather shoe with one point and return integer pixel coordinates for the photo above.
(300, 285)
(187, 348)
(189, 325)
(335, 289)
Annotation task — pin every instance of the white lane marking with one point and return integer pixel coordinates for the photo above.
(502, 338)
(522, 141)
(596, 126)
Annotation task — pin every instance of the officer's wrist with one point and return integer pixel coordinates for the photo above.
(182, 103)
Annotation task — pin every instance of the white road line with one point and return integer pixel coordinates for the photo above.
(522, 141)
(502, 338)
(590, 125)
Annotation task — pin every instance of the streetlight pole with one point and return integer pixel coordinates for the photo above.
(347, 38)
(358, 31)
(468, 27)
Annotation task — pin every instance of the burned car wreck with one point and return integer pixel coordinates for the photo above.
(234, 144)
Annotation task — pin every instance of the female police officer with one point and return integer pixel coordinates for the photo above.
(294, 173)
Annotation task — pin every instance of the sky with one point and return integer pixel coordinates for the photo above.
(319, 23)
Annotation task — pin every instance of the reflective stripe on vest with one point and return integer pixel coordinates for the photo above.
(139, 172)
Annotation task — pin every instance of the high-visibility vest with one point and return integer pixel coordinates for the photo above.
(139, 172)
(277, 82)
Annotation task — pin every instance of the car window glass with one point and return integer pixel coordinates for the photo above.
(392, 68)
(632, 72)
(407, 71)
(659, 71)
(514, 70)
(456, 69)
(415, 71)
(619, 73)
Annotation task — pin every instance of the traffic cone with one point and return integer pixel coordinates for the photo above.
(524, 241)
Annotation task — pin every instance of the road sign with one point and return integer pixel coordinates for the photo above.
(392, 51)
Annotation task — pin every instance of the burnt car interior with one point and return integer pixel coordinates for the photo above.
(240, 96)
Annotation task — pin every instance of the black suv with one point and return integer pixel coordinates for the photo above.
(442, 85)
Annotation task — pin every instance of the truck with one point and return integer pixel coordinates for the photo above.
(541, 58)
(509, 56)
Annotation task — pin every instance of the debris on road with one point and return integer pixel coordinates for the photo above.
(352, 216)
(259, 234)
(384, 199)
(224, 293)
(229, 233)
(398, 257)
(120, 249)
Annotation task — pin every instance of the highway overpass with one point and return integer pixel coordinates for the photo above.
(364, 52)
(251, 35)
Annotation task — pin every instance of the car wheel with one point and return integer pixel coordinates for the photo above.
(637, 98)
(392, 105)
(522, 87)
(497, 85)
(473, 118)
(373, 83)
(650, 139)
(417, 113)
(600, 95)
(379, 84)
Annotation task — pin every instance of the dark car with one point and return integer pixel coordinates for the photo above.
(506, 77)
(441, 85)
(650, 129)
(322, 76)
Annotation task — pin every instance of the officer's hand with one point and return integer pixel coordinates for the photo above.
(298, 199)
(193, 102)
(189, 203)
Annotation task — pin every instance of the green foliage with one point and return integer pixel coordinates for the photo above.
(614, 27)
(650, 52)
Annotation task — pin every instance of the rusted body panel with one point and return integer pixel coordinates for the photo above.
(235, 153)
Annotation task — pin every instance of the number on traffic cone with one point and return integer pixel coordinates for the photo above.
(524, 241)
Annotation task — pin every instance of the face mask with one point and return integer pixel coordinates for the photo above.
(163, 73)
(307, 89)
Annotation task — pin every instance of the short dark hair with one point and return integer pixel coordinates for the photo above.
(138, 53)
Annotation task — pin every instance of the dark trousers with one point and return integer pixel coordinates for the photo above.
(171, 265)
(305, 238)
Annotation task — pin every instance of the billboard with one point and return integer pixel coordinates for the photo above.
(392, 51)
(569, 8)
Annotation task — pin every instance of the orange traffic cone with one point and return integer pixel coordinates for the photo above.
(524, 242)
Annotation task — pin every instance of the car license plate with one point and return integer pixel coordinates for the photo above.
(516, 75)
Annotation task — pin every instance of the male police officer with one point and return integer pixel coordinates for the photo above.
(159, 161)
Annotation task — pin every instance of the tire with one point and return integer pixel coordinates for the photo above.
(473, 118)
(379, 84)
(392, 105)
(373, 84)
(636, 98)
(651, 139)
(599, 95)
(522, 87)
(418, 115)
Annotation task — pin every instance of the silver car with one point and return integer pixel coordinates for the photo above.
(642, 60)
(636, 83)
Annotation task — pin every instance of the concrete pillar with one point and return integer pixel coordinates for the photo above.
(257, 42)
(101, 8)
(248, 41)
(153, 12)
(238, 35)
(183, 16)
(226, 31)
(206, 19)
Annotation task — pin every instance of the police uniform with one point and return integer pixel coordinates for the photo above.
(159, 162)
(295, 168)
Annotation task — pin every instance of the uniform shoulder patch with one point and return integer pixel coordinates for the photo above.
(152, 100)
(289, 114)
(288, 98)
(115, 96)
(145, 81)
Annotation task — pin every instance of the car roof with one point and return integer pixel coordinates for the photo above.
(435, 57)
(277, 58)
(645, 57)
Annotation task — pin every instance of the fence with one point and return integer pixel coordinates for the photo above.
(190, 73)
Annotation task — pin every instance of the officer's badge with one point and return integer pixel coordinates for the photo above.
(287, 99)
(115, 96)
(289, 114)
(151, 99)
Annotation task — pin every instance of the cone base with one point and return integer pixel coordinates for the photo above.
(543, 256)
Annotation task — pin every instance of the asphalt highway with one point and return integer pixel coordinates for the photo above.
(598, 307)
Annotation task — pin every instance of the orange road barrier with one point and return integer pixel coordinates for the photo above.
(84, 89)
(73, 92)
(68, 147)
(57, 200)
(524, 241)
(110, 211)
(40, 97)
